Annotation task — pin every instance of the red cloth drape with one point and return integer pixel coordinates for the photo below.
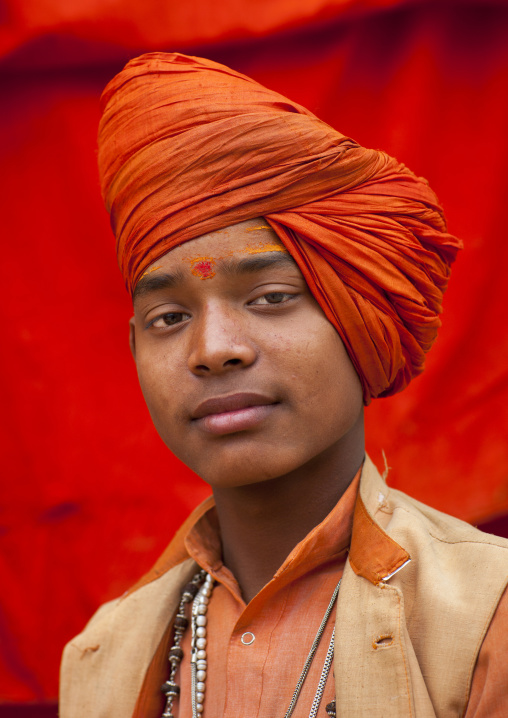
(89, 494)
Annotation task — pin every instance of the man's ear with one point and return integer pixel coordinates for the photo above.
(132, 337)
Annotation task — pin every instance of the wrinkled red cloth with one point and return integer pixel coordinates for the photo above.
(188, 146)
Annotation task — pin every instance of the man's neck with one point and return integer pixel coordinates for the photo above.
(261, 523)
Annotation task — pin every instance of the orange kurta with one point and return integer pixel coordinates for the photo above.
(284, 617)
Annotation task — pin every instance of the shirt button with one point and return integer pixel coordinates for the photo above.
(248, 638)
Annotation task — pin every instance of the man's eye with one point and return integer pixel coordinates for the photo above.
(273, 298)
(169, 320)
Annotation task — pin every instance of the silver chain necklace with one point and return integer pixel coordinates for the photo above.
(199, 591)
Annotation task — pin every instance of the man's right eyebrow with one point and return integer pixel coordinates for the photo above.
(157, 282)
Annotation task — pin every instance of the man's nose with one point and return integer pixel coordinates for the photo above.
(219, 343)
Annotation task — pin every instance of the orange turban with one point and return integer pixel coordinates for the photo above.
(188, 146)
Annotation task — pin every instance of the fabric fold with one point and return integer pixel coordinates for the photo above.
(188, 146)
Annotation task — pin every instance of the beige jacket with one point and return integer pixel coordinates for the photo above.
(417, 596)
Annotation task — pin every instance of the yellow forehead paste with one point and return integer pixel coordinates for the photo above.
(265, 247)
(203, 267)
(148, 271)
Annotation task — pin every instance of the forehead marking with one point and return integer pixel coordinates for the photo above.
(202, 267)
(150, 270)
(264, 247)
(196, 263)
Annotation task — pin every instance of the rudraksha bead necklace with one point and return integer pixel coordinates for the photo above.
(199, 590)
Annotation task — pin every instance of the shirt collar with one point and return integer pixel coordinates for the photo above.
(326, 542)
(373, 554)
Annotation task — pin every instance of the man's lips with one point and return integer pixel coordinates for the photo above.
(236, 412)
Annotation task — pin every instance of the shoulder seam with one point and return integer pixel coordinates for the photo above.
(503, 544)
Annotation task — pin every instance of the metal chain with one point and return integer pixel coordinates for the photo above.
(193, 691)
(324, 677)
(312, 652)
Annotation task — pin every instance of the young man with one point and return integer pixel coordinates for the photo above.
(282, 276)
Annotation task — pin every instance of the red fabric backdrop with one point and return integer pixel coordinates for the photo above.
(90, 495)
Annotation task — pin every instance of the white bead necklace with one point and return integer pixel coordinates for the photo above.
(198, 646)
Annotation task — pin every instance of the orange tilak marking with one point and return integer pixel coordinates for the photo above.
(250, 249)
(202, 267)
(265, 248)
(148, 271)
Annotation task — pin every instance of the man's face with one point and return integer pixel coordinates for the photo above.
(243, 375)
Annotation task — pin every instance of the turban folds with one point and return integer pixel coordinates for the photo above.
(188, 146)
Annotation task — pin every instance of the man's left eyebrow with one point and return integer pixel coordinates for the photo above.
(256, 263)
